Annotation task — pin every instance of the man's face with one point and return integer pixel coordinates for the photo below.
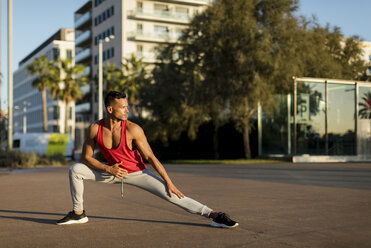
(120, 109)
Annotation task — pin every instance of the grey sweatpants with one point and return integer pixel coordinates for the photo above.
(143, 179)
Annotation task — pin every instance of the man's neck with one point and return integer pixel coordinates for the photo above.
(111, 123)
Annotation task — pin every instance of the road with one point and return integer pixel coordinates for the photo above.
(277, 205)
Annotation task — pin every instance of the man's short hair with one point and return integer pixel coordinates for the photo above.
(111, 96)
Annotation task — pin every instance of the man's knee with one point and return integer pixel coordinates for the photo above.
(76, 169)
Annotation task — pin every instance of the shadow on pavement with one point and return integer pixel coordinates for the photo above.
(52, 221)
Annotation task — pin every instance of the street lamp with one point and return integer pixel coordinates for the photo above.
(25, 104)
(100, 79)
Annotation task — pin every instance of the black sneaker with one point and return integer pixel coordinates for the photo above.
(72, 218)
(223, 220)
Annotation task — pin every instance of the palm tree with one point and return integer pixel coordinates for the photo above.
(46, 75)
(135, 77)
(112, 77)
(365, 111)
(70, 89)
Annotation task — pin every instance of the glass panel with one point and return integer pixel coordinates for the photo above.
(274, 128)
(364, 121)
(341, 124)
(310, 118)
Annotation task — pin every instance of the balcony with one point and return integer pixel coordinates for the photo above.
(147, 57)
(82, 38)
(82, 55)
(160, 16)
(83, 107)
(82, 20)
(190, 2)
(154, 37)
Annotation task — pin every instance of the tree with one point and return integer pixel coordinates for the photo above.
(46, 77)
(135, 77)
(234, 56)
(70, 89)
(112, 77)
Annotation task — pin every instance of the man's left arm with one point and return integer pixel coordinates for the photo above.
(141, 143)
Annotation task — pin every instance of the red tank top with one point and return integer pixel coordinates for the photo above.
(131, 159)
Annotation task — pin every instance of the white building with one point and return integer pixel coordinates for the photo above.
(28, 116)
(139, 27)
(366, 46)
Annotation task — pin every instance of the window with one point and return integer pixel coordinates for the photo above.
(56, 112)
(182, 12)
(104, 16)
(139, 50)
(70, 114)
(55, 53)
(16, 143)
(161, 8)
(139, 28)
(161, 30)
(139, 6)
(97, 2)
(69, 53)
(55, 129)
(369, 57)
(96, 59)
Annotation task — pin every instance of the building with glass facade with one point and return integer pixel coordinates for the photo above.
(322, 120)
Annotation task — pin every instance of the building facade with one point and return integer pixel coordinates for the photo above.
(28, 101)
(139, 27)
(366, 46)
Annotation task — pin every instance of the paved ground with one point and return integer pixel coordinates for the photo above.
(277, 205)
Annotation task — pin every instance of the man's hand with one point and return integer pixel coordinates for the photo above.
(172, 189)
(117, 171)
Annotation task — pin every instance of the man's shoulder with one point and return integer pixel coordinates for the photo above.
(94, 125)
(93, 129)
(133, 128)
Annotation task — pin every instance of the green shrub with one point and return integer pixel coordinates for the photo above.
(57, 159)
(16, 159)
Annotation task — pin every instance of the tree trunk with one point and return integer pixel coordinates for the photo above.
(45, 112)
(66, 118)
(216, 143)
(246, 138)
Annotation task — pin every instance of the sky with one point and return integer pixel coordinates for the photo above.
(34, 21)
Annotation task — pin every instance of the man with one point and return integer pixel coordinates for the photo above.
(123, 143)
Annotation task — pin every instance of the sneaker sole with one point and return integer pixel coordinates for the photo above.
(215, 224)
(80, 221)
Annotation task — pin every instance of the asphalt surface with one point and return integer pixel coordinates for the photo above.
(277, 205)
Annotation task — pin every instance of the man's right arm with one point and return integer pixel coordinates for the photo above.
(88, 151)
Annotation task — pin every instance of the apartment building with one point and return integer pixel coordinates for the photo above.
(139, 27)
(366, 46)
(27, 100)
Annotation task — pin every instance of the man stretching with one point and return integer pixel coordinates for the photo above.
(123, 143)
